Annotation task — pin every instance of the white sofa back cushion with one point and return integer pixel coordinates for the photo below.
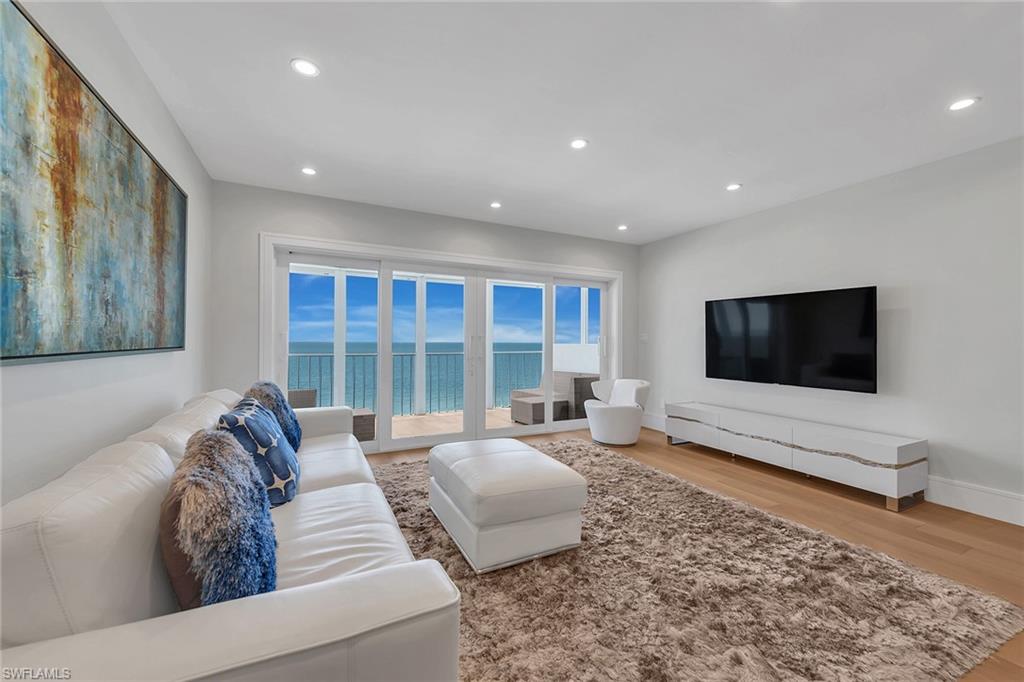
(173, 431)
(82, 552)
(225, 396)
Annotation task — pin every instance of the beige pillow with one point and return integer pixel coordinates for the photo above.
(184, 582)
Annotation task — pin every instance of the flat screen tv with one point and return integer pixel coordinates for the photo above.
(819, 339)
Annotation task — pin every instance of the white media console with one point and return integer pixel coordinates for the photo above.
(893, 466)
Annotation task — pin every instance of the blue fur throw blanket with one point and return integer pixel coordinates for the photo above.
(224, 526)
(268, 394)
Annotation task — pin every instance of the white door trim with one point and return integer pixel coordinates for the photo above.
(330, 247)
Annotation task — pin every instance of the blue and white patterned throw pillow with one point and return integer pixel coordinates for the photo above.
(257, 431)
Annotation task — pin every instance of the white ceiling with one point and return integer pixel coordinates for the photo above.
(445, 108)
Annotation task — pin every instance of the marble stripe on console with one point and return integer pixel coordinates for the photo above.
(829, 453)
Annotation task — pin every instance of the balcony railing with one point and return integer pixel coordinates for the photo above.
(444, 378)
(316, 371)
(514, 370)
(444, 382)
(313, 370)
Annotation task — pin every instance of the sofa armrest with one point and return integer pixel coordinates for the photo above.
(324, 421)
(395, 623)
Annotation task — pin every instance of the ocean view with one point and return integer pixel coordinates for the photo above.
(311, 365)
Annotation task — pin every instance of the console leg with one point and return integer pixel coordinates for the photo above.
(898, 504)
(672, 441)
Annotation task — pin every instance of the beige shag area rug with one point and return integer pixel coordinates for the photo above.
(673, 582)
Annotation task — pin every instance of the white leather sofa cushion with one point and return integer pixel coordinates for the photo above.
(336, 532)
(329, 461)
(504, 480)
(82, 552)
(393, 624)
(173, 431)
(325, 461)
(225, 396)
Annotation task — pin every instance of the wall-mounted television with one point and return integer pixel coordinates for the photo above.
(818, 339)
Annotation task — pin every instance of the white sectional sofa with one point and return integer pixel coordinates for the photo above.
(84, 587)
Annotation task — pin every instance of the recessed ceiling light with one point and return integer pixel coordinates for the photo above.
(963, 103)
(579, 143)
(309, 171)
(623, 228)
(732, 187)
(495, 204)
(304, 67)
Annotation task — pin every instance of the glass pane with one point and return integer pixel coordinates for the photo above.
(567, 314)
(361, 342)
(515, 354)
(445, 328)
(427, 344)
(310, 339)
(577, 360)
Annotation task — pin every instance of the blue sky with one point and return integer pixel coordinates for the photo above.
(518, 311)
(311, 308)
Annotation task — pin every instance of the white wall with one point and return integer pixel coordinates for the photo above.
(241, 212)
(56, 414)
(943, 244)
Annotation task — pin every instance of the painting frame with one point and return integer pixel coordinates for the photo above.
(182, 271)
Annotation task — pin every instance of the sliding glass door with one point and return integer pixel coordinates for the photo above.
(513, 393)
(332, 336)
(428, 332)
(426, 354)
(578, 358)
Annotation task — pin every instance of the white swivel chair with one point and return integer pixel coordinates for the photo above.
(616, 413)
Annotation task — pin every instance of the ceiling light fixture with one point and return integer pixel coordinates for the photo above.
(579, 143)
(732, 187)
(495, 204)
(306, 68)
(623, 228)
(963, 103)
(309, 171)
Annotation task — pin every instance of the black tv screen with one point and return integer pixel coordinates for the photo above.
(820, 339)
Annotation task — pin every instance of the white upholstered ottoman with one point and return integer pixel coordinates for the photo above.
(504, 502)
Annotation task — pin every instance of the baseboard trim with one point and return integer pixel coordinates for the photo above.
(992, 503)
(654, 421)
(1001, 505)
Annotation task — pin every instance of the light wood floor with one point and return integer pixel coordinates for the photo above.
(972, 549)
(435, 423)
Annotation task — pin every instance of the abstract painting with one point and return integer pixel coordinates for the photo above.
(92, 229)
